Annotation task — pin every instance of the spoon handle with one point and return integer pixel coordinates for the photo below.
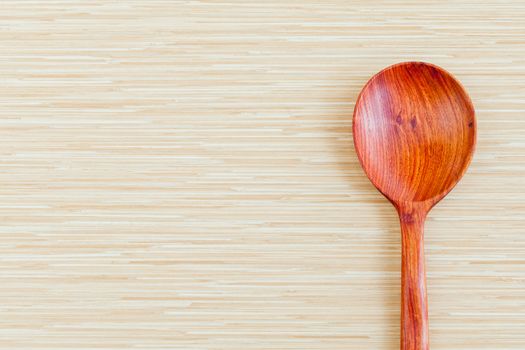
(414, 314)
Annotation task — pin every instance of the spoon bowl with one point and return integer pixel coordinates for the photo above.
(414, 133)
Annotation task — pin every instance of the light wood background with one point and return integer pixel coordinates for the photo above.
(181, 175)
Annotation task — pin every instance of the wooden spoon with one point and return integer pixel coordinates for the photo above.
(414, 133)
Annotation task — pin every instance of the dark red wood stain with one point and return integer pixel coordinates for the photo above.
(414, 133)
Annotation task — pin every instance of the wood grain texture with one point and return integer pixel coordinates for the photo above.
(414, 303)
(414, 131)
(181, 175)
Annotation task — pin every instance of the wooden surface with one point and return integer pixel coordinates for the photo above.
(181, 175)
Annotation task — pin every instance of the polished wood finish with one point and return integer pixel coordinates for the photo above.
(414, 133)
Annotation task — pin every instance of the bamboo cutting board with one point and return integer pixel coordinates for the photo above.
(181, 175)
